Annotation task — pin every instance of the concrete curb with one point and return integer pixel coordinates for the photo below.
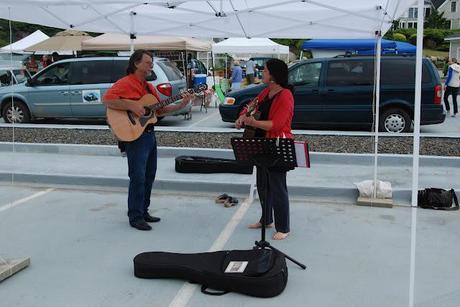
(316, 157)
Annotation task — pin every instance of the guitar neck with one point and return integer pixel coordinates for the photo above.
(157, 106)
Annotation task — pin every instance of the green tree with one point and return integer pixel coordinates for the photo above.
(436, 20)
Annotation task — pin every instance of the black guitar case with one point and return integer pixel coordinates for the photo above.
(256, 272)
(206, 165)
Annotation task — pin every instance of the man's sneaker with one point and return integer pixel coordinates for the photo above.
(141, 225)
(454, 115)
(151, 219)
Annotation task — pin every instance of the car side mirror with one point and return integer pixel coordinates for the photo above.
(30, 82)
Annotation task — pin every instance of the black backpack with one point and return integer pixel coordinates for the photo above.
(256, 272)
(438, 199)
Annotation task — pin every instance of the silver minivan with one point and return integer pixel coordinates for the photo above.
(73, 88)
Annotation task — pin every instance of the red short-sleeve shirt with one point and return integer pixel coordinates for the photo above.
(130, 87)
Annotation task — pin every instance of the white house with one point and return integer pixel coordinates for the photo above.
(409, 18)
(451, 10)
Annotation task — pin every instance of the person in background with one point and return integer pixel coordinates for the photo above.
(54, 57)
(32, 65)
(191, 70)
(237, 75)
(452, 84)
(46, 61)
(250, 67)
(276, 107)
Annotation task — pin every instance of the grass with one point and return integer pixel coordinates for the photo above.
(436, 53)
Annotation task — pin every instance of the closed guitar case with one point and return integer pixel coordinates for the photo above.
(206, 165)
(256, 272)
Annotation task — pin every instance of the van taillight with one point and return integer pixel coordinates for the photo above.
(165, 89)
(437, 94)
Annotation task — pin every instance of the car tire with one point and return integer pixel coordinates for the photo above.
(395, 120)
(16, 111)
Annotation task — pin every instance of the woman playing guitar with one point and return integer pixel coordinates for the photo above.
(276, 107)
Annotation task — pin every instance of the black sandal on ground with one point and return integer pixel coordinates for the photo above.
(222, 198)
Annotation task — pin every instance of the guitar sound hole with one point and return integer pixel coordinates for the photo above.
(147, 111)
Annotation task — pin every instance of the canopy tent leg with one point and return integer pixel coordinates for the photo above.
(416, 149)
(378, 63)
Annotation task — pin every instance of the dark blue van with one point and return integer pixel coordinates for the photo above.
(339, 92)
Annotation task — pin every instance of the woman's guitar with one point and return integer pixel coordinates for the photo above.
(250, 132)
(128, 127)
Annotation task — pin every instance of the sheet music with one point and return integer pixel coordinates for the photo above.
(301, 153)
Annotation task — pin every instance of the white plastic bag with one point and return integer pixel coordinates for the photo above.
(366, 189)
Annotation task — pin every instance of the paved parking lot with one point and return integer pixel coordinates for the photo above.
(81, 250)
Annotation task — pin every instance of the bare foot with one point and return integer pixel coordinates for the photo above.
(280, 235)
(258, 225)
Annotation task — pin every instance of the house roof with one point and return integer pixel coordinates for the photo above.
(437, 3)
(454, 36)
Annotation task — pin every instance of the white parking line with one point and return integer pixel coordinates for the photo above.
(25, 199)
(185, 293)
(202, 120)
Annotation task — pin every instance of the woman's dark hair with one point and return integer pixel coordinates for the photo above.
(279, 72)
(135, 58)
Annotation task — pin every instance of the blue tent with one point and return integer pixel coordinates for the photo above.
(359, 46)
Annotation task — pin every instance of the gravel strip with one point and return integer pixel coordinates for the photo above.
(339, 144)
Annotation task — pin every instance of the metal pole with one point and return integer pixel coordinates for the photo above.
(417, 103)
(377, 108)
(416, 149)
(132, 36)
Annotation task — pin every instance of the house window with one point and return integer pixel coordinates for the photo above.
(453, 6)
(413, 12)
(427, 11)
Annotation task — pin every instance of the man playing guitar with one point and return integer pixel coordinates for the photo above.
(142, 152)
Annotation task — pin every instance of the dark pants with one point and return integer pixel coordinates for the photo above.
(454, 92)
(142, 167)
(277, 201)
(250, 78)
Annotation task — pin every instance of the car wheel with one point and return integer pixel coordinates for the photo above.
(16, 112)
(395, 120)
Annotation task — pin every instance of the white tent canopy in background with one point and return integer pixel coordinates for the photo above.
(119, 41)
(19, 46)
(199, 18)
(249, 46)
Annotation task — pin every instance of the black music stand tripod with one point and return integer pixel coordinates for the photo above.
(265, 154)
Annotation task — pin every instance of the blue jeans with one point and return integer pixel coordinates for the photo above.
(142, 167)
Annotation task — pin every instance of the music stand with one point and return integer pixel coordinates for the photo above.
(265, 154)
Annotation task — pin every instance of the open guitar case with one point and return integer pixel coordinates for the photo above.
(206, 165)
(256, 272)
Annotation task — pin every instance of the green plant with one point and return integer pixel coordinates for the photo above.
(399, 37)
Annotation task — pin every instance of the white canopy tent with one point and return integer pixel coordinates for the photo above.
(241, 46)
(119, 41)
(22, 44)
(239, 18)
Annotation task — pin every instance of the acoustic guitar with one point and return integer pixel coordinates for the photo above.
(126, 126)
(250, 132)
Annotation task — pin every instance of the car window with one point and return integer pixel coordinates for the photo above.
(401, 71)
(5, 77)
(57, 74)
(306, 74)
(118, 70)
(350, 73)
(91, 72)
(170, 70)
(21, 75)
